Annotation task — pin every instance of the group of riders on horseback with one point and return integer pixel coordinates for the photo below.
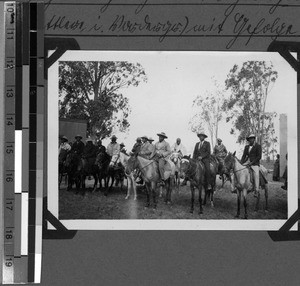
(161, 151)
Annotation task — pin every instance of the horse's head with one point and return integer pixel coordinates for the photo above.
(132, 164)
(184, 167)
(229, 163)
(114, 160)
(175, 157)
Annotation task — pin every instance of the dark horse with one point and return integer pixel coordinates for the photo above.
(150, 174)
(89, 167)
(194, 171)
(209, 192)
(102, 161)
(61, 165)
(73, 168)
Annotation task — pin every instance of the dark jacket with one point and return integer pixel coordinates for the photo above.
(90, 151)
(254, 155)
(77, 147)
(204, 151)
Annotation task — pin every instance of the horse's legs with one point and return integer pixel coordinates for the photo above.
(129, 185)
(192, 198)
(70, 179)
(153, 189)
(213, 187)
(168, 191)
(266, 188)
(257, 202)
(206, 192)
(148, 195)
(96, 181)
(238, 195)
(200, 199)
(245, 203)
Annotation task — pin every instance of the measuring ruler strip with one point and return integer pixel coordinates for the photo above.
(9, 152)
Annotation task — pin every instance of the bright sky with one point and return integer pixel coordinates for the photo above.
(164, 102)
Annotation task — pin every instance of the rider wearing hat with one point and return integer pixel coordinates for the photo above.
(137, 146)
(113, 147)
(78, 145)
(220, 152)
(122, 148)
(64, 145)
(146, 149)
(251, 157)
(150, 140)
(161, 151)
(202, 153)
(90, 152)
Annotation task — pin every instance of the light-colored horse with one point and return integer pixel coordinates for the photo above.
(131, 184)
(242, 181)
(176, 158)
(150, 174)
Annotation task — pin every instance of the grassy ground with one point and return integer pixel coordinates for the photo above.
(114, 206)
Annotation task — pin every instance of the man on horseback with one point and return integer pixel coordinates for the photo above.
(64, 145)
(251, 157)
(146, 149)
(220, 153)
(161, 152)
(178, 147)
(90, 152)
(137, 146)
(113, 148)
(101, 148)
(202, 153)
(78, 145)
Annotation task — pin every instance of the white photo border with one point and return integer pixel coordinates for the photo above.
(156, 224)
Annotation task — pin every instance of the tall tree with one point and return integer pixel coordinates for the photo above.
(91, 91)
(250, 86)
(208, 113)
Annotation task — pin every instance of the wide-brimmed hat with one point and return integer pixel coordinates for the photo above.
(88, 140)
(145, 137)
(219, 139)
(78, 136)
(163, 134)
(64, 138)
(251, 136)
(114, 137)
(202, 134)
(150, 139)
(122, 144)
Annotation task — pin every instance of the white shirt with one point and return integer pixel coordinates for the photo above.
(176, 148)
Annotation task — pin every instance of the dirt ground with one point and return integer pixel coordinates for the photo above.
(114, 206)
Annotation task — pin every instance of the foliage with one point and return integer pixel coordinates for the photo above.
(208, 112)
(91, 91)
(245, 108)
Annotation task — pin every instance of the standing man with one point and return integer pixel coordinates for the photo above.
(78, 145)
(178, 147)
(202, 153)
(220, 152)
(251, 157)
(162, 151)
(146, 149)
(113, 148)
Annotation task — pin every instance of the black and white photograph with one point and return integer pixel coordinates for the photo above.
(172, 140)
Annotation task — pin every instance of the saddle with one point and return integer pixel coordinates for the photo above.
(262, 178)
(169, 168)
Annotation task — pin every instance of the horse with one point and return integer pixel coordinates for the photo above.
(115, 171)
(211, 181)
(150, 174)
(102, 161)
(131, 184)
(89, 167)
(61, 165)
(73, 167)
(242, 181)
(193, 170)
(176, 158)
(220, 169)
